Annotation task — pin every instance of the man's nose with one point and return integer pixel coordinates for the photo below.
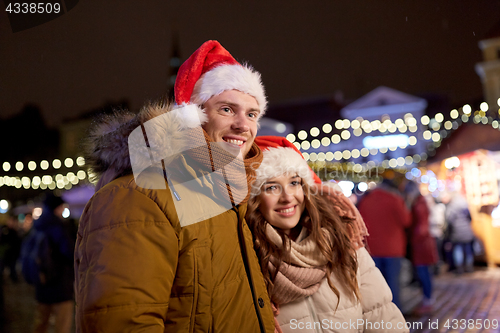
(240, 122)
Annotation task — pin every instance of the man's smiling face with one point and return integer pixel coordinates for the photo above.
(232, 118)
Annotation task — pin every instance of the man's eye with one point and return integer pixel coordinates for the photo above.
(252, 115)
(226, 109)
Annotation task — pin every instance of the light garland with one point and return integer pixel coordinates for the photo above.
(44, 164)
(46, 181)
(437, 129)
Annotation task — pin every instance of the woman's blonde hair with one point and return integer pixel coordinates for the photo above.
(335, 246)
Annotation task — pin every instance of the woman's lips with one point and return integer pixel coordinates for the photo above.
(290, 211)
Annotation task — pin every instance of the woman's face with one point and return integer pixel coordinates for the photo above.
(282, 201)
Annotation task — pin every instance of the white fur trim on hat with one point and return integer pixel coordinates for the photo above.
(229, 77)
(279, 161)
(190, 115)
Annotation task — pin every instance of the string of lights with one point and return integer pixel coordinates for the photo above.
(436, 130)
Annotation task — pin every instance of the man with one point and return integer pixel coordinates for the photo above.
(163, 245)
(387, 217)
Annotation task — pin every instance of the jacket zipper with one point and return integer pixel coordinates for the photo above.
(244, 256)
(310, 305)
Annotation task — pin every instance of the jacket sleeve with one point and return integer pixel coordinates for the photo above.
(125, 263)
(376, 298)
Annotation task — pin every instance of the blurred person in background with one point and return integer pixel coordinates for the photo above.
(10, 242)
(437, 227)
(386, 216)
(422, 245)
(459, 233)
(55, 296)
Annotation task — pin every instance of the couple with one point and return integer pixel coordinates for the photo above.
(193, 225)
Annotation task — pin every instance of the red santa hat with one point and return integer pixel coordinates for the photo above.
(280, 157)
(211, 70)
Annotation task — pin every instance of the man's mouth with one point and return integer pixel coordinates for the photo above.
(234, 141)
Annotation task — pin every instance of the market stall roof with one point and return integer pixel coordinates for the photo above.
(384, 100)
(468, 138)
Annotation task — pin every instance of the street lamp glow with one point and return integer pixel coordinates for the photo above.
(314, 131)
(302, 135)
(31, 165)
(363, 186)
(439, 117)
(6, 166)
(467, 109)
(399, 122)
(290, 137)
(425, 120)
(4, 206)
(80, 161)
(452, 162)
(346, 154)
(339, 124)
(280, 128)
(327, 128)
(484, 106)
(56, 164)
(68, 162)
(454, 114)
(44, 165)
(335, 138)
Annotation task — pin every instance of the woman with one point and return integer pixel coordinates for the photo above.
(423, 247)
(317, 280)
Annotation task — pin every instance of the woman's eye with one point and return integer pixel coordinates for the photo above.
(296, 183)
(270, 188)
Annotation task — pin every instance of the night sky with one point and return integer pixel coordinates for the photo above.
(105, 51)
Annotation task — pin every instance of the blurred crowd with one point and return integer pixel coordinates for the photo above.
(48, 241)
(433, 233)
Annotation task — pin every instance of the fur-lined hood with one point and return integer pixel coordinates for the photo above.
(124, 143)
